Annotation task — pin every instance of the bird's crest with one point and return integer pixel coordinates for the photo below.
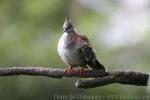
(67, 23)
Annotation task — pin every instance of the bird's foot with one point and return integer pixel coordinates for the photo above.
(82, 71)
(69, 70)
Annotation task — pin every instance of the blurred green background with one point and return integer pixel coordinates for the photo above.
(119, 31)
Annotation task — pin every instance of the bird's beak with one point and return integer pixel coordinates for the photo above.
(65, 29)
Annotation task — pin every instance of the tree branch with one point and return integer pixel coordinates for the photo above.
(101, 78)
(49, 72)
(122, 77)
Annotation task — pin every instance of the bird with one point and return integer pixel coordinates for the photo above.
(75, 50)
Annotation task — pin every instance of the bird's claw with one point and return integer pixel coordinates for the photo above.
(82, 71)
(68, 71)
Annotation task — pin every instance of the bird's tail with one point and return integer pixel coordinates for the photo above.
(97, 65)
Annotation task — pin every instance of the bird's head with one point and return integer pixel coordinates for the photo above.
(68, 27)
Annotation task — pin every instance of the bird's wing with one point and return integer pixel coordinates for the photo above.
(90, 58)
(83, 39)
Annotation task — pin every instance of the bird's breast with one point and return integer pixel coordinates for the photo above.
(68, 51)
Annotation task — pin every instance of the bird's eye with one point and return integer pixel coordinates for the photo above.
(70, 26)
